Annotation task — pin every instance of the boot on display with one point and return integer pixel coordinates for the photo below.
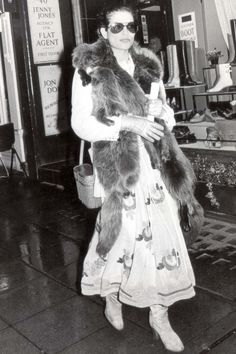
(223, 77)
(192, 65)
(185, 78)
(231, 50)
(233, 30)
(173, 66)
(163, 60)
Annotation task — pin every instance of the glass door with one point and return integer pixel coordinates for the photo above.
(156, 24)
(4, 115)
(9, 94)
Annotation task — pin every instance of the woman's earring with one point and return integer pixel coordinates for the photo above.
(103, 32)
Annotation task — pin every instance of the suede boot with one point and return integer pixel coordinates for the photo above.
(158, 319)
(113, 311)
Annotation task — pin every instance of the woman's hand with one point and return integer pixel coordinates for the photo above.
(142, 126)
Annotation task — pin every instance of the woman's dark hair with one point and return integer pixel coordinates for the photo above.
(108, 9)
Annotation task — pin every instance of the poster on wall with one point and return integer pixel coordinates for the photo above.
(187, 27)
(45, 30)
(53, 99)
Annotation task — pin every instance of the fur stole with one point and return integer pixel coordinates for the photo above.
(115, 92)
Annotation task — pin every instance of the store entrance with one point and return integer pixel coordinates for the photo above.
(9, 91)
(4, 115)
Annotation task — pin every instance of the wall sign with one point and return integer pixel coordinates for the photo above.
(187, 27)
(53, 99)
(45, 29)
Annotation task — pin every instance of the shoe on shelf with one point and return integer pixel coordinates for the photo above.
(181, 131)
(211, 116)
(113, 311)
(191, 114)
(158, 319)
(183, 135)
(227, 113)
(198, 117)
(207, 115)
(191, 138)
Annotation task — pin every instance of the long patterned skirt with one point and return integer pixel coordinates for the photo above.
(149, 263)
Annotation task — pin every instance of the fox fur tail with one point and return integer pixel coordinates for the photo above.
(111, 221)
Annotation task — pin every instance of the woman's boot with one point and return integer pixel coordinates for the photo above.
(158, 319)
(113, 311)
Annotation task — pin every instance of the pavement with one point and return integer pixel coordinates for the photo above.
(44, 235)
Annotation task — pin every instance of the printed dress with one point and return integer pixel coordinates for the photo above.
(149, 263)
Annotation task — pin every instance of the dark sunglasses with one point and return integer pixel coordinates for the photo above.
(118, 27)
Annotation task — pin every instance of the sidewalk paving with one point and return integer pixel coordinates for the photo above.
(43, 239)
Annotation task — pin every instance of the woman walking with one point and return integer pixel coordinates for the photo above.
(147, 263)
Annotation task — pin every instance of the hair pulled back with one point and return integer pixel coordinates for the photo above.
(104, 14)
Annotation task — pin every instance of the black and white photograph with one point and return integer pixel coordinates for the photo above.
(117, 176)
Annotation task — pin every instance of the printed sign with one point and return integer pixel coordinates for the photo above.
(53, 99)
(45, 29)
(187, 27)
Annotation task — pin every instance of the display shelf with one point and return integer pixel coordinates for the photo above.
(183, 112)
(217, 94)
(200, 145)
(214, 166)
(176, 98)
(198, 129)
(200, 132)
(182, 98)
